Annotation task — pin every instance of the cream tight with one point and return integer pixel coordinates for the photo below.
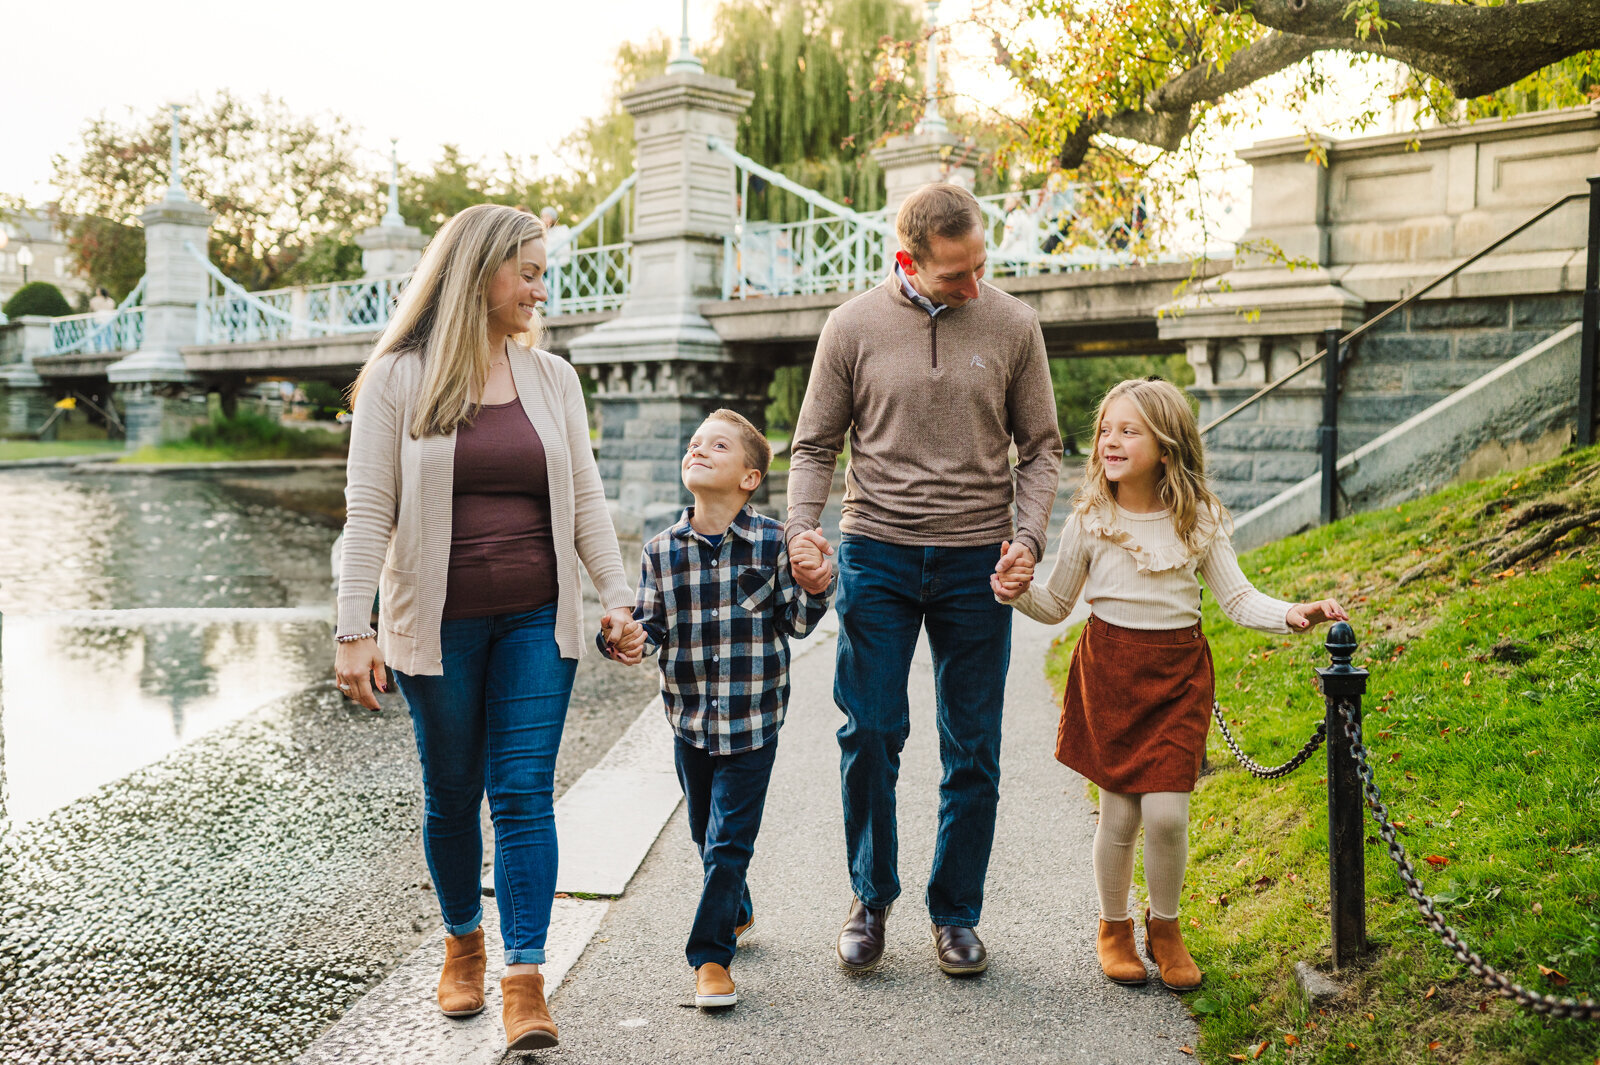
(1166, 850)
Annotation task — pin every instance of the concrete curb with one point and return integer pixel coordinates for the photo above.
(242, 466)
(50, 461)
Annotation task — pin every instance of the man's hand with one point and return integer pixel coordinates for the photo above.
(1013, 573)
(808, 561)
(624, 635)
(1302, 616)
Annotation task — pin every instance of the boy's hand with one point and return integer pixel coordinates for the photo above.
(624, 635)
(1302, 616)
(808, 562)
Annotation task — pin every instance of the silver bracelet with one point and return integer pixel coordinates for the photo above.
(354, 636)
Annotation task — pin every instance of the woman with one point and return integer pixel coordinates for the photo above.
(472, 495)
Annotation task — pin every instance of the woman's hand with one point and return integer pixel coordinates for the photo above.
(1302, 616)
(625, 635)
(355, 666)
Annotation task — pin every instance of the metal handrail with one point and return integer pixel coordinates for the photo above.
(1371, 323)
(810, 196)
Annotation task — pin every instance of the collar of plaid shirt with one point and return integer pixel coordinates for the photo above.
(743, 526)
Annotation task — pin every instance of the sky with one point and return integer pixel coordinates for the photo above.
(490, 76)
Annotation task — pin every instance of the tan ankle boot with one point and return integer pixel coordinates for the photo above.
(1164, 943)
(461, 981)
(525, 1014)
(1119, 958)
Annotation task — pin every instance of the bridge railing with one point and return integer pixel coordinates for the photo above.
(230, 315)
(592, 277)
(97, 332)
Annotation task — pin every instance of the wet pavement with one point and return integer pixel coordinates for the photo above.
(211, 854)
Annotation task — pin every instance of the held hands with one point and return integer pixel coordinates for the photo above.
(1302, 616)
(357, 667)
(808, 561)
(624, 636)
(1013, 573)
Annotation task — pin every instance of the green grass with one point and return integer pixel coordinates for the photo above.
(1483, 713)
(246, 436)
(11, 450)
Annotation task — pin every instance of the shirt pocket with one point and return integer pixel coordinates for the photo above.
(756, 587)
(398, 601)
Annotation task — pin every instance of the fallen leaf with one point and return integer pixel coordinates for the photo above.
(1434, 1045)
(1370, 1017)
(1553, 976)
(1483, 1007)
(1193, 923)
(1237, 1057)
(1437, 861)
(1466, 681)
(1186, 1049)
(1534, 753)
(1259, 1050)
(1538, 907)
(1291, 1039)
(1349, 1046)
(1395, 757)
(1431, 992)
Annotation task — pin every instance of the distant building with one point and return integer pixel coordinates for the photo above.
(33, 229)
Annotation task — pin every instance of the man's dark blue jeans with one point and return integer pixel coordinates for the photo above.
(887, 593)
(725, 795)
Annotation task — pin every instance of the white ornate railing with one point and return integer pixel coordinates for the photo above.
(98, 331)
(593, 278)
(230, 315)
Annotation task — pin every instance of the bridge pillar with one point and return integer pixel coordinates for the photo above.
(152, 385)
(25, 402)
(659, 367)
(917, 159)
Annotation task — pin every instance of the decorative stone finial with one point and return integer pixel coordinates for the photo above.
(392, 216)
(685, 62)
(932, 120)
(175, 167)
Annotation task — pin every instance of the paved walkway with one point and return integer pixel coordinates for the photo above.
(1042, 1000)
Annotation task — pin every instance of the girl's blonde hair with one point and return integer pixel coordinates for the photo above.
(1196, 511)
(444, 314)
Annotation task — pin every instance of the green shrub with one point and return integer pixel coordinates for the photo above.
(37, 297)
(255, 434)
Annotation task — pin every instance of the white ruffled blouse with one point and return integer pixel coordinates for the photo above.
(1135, 572)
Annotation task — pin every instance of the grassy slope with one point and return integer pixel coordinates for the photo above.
(1483, 711)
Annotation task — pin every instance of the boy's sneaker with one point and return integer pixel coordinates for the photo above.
(713, 987)
(740, 930)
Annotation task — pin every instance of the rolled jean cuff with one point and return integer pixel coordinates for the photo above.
(953, 922)
(525, 957)
(465, 929)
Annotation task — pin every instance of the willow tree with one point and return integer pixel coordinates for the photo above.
(1156, 72)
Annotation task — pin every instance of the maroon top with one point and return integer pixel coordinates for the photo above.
(502, 553)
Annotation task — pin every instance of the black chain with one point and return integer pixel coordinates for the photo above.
(1502, 985)
(1271, 772)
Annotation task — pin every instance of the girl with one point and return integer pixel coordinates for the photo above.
(1140, 688)
(472, 496)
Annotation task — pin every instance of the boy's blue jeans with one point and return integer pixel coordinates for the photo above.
(493, 719)
(725, 795)
(887, 593)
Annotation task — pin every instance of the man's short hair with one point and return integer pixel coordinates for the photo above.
(757, 451)
(939, 209)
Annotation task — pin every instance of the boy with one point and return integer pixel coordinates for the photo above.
(717, 598)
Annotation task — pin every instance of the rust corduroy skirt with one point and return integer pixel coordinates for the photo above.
(1137, 707)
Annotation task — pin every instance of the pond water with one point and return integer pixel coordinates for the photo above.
(142, 611)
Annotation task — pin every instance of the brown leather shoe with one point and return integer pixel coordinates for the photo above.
(959, 950)
(1163, 941)
(739, 931)
(525, 1013)
(1119, 958)
(860, 946)
(461, 980)
(713, 987)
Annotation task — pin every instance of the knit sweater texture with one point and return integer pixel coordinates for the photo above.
(1135, 572)
(398, 502)
(931, 406)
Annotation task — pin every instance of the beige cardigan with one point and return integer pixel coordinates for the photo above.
(398, 496)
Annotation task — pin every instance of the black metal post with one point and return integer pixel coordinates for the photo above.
(1589, 351)
(1347, 866)
(1328, 433)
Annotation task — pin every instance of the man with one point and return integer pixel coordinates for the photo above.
(933, 375)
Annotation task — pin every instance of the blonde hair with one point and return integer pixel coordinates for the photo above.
(937, 209)
(1197, 513)
(444, 314)
(757, 450)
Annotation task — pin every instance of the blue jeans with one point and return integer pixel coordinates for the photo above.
(725, 795)
(887, 593)
(494, 718)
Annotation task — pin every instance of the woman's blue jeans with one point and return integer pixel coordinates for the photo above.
(493, 721)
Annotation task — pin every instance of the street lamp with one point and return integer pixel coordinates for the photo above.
(25, 260)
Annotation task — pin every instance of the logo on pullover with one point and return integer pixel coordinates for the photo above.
(977, 360)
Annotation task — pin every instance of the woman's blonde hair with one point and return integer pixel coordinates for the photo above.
(444, 314)
(1196, 511)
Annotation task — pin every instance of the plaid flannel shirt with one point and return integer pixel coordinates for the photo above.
(721, 618)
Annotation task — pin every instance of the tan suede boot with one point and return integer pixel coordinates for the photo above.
(1119, 957)
(525, 1014)
(1164, 943)
(461, 981)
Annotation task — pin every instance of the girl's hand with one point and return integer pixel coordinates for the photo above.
(357, 665)
(1005, 590)
(1302, 616)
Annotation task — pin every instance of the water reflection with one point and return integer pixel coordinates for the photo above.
(141, 612)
